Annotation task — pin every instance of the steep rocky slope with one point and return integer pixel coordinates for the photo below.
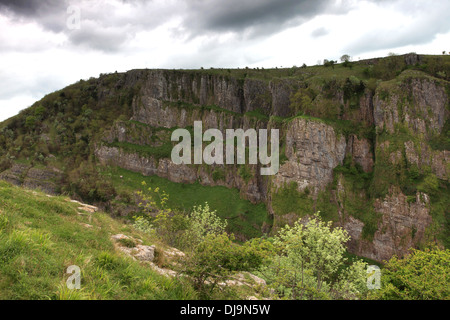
(366, 145)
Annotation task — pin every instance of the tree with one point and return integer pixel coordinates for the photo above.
(30, 122)
(204, 221)
(329, 63)
(314, 245)
(422, 275)
(310, 256)
(158, 217)
(345, 58)
(302, 101)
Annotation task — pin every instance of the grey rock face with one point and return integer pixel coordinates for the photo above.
(402, 225)
(418, 102)
(313, 150)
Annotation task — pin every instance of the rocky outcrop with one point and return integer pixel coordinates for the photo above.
(235, 95)
(403, 224)
(414, 103)
(313, 150)
(45, 179)
(421, 155)
(417, 102)
(361, 152)
(133, 248)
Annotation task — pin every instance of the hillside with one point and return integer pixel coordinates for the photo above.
(365, 143)
(42, 235)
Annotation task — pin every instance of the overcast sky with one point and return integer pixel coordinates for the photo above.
(46, 45)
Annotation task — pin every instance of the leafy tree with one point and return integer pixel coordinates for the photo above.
(85, 181)
(352, 282)
(345, 58)
(158, 217)
(30, 122)
(314, 246)
(39, 112)
(329, 63)
(302, 101)
(422, 275)
(430, 184)
(204, 221)
(310, 257)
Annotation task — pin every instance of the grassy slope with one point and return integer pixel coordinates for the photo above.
(41, 236)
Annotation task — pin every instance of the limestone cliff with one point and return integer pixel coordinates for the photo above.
(414, 103)
(366, 146)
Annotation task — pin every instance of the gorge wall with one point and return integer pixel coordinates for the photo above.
(404, 113)
(366, 149)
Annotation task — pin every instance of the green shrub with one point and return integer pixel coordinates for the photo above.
(218, 174)
(421, 275)
(429, 185)
(288, 199)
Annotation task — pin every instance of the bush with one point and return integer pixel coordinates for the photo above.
(5, 164)
(215, 258)
(202, 222)
(30, 122)
(309, 263)
(422, 275)
(87, 183)
(430, 184)
(158, 218)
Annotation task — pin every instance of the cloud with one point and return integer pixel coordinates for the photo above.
(93, 36)
(412, 23)
(108, 24)
(250, 18)
(31, 8)
(51, 14)
(319, 32)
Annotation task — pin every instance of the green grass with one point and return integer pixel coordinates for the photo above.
(40, 237)
(160, 152)
(244, 218)
(288, 199)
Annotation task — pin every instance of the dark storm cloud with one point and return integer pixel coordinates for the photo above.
(201, 17)
(30, 8)
(254, 18)
(104, 39)
(51, 14)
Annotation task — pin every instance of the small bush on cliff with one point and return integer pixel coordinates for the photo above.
(287, 199)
